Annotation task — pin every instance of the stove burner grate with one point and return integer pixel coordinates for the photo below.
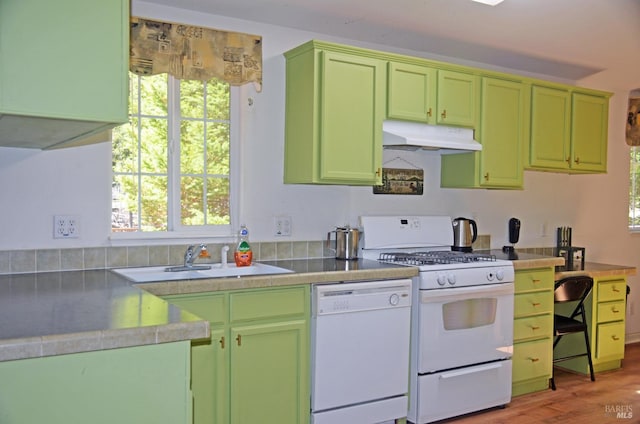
(437, 257)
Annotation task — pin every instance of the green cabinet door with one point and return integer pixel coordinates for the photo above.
(568, 130)
(66, 60)
(502, 132)
(411, 92)
(335, 105)
(458, 99)
(550, 128)
(142, 384)
(589, 131)
(267, 362)
(255, 366)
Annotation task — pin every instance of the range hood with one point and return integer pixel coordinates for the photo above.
(403, 135)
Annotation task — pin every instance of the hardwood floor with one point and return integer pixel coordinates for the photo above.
(576, 400)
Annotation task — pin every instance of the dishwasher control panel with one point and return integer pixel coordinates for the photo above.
(365, 296)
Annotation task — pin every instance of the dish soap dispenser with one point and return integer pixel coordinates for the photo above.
(243, 255)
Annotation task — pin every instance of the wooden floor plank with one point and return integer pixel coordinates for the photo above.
(576, 400)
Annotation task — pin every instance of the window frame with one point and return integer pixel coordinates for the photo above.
(175, 229)
(634, 186)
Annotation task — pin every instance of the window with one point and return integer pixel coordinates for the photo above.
(172, 161)
(634, 190)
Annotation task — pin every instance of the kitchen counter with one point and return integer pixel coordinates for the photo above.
(305, 271)
(530, 260)
(55, 313)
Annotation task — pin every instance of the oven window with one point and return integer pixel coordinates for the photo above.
(469, 313)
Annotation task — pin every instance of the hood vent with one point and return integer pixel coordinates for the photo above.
(401, 135)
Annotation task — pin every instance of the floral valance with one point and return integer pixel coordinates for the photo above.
(191, 52)
(633, 122)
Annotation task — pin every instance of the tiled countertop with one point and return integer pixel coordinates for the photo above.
(55, 313)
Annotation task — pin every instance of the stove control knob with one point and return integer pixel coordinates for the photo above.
(500, 275)
(394, 299)
(490, 276)
(442, 279)
(451, 278)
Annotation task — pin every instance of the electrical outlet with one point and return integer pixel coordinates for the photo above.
(283, 226)
(66, 226)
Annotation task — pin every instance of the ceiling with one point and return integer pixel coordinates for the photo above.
(565, 39)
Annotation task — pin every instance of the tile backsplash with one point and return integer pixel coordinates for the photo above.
(46, 260)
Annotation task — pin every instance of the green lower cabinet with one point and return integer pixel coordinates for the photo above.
(605, 308)
(532, 330)
(255, 368)
(144, 384)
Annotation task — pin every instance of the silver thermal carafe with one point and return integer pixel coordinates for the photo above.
(465, 232)
(346, 242)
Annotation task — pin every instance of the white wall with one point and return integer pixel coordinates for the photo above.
(35, 185)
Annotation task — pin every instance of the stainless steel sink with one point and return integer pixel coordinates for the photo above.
(149, 274)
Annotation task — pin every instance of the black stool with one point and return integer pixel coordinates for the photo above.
(572, 289)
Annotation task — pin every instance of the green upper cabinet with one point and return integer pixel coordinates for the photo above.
(433, 96)
(458, 99)
(550, 127)
(589, 132)
(411, 92)
(64, 71)
(335, 105)
(502, 131)
(569, 130)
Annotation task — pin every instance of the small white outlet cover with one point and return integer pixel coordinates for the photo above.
(283, 226)
(66, 226)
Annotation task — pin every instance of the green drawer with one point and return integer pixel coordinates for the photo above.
(533, 303)
(610, 340)
(533, 327)
(209, 306)
(532, 360)
(612, 290)
(535, 279)
(611, 311)
(270, 303)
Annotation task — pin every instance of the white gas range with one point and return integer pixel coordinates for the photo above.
(462, 316)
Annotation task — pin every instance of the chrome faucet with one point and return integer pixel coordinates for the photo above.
(193, 252)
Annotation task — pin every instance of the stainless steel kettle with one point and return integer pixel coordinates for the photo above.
(465, 232)
(346, 242)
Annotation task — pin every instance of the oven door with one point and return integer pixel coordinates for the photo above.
(464, 326)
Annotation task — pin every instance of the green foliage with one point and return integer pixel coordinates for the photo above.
(141, 156)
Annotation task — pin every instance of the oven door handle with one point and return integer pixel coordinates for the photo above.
(469, 370)
(459, 293)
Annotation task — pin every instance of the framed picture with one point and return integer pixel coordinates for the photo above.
(401, 181)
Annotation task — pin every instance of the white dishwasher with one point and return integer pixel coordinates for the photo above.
(360, 351)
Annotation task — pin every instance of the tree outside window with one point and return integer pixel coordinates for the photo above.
(171, 162)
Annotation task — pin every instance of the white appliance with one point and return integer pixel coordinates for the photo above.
(403, 135)
(360, 351)
(462, 316)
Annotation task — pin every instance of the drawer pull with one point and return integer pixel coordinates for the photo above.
(615, 289)
(239, 340)
(533, 359)
(535, 281)
(444, 114)
(614, 310)
(615, 338)
(222, 342)
(536, 304)
(429, 113)
(535, 327)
